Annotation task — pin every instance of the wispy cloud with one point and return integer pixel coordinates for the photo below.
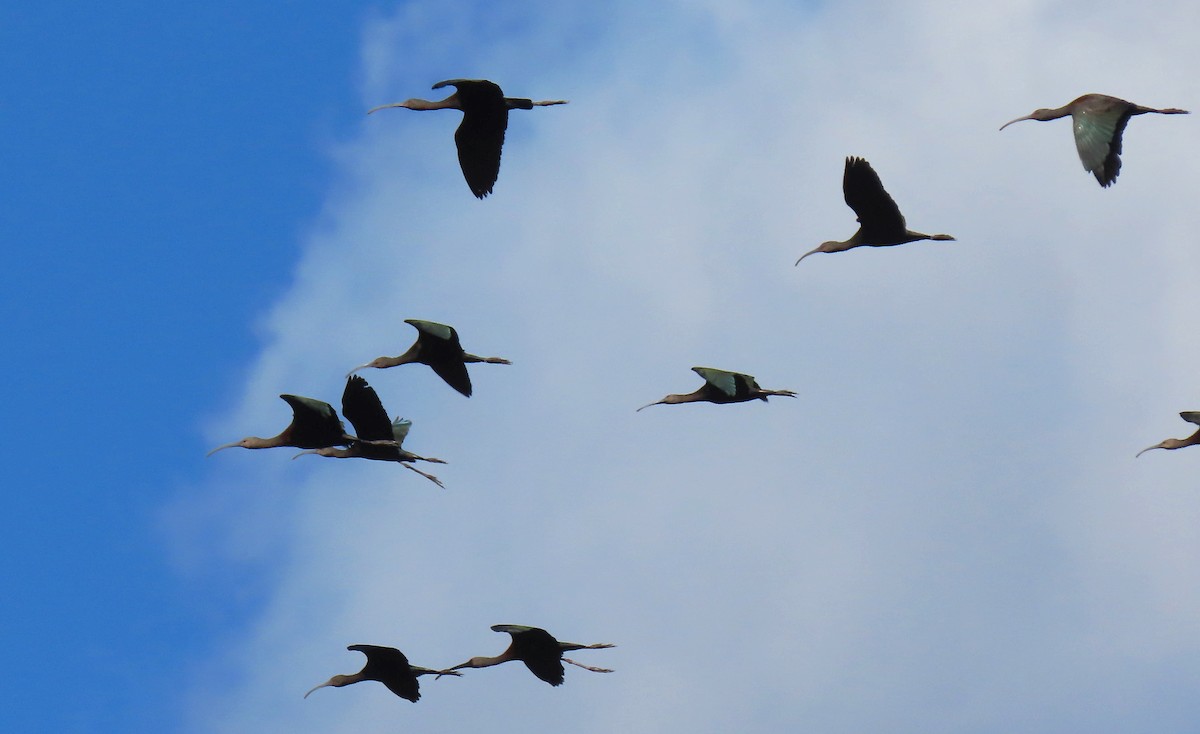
(946, 531)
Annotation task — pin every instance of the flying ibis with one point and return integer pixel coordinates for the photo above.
(1098, 121)
(480, 136)
(437, 345)
(365, 412)
(1191, 416)
(880, 222)
(315, 425)
(540, 652)
(721, 386)
(390, 667)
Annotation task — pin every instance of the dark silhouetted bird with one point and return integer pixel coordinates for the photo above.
(388, 666)
(880, 222)
(365, 412)
(437, 345)
(540, 652)
(480, 136)
(315, 425)
(722, 387)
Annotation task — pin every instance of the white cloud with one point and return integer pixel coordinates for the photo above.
(945, 531)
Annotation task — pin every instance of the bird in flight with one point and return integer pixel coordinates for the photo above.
(315, 425)
(480, 136)
(880, 222)
(437, 345)
(721, 387)
(1191, 416)
(1098, 121)
(540, 652)
(390, 667)
(379, 438)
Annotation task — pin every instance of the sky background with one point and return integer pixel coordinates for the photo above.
(946, 531)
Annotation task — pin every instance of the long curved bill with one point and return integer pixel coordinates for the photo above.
(385, 106)
(647, 405)
(361, 366)
(223, 446)
(806, 255)
(326, 683)
(1155, 446)
(1026, 117)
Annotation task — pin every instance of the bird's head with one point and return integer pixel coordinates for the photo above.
(375, 363)
(410, 104)
(1170, 443)
(1039, 114)
(336, 681)
(827, 246)
(672, 399)
(244, 443)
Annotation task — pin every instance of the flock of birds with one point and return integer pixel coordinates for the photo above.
(1098, 122)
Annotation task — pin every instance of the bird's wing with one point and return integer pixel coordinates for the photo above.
(362, 408)
(538, 649)
(436, 330)
(864, 192)
(309, 406)
(390, 667)
(1191, 416)
(460, 83)
(454, 372)
(442, 351)
(315, 424)
(380, 654)
(549, 669)
(405, 686)
(480, 138)
(726, 382)
(515, 629)
(400, 428)
(1098, 140)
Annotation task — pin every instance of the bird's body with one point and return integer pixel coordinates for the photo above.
(540, 652)
(362, 407)
(880, 222)
(1098, 121)
(390, 667)
(315, 425)
(438, 346)
(480, 136)
(721, 386)
(1177, 443)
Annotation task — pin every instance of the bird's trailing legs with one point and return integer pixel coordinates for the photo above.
(518, 103)
(598, 646)
(404, 464)
(436, 673)
(430, 477)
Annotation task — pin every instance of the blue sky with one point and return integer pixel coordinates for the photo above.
(945, 532)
